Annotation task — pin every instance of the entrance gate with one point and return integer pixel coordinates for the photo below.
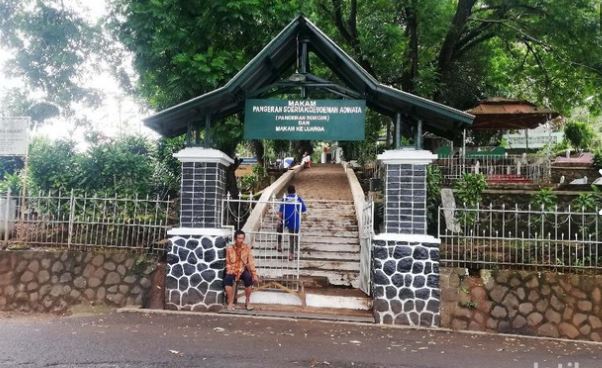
(277, 255)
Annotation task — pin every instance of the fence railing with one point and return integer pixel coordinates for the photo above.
(79, 221)
(276, 250)
(536, 170)
(557, 239)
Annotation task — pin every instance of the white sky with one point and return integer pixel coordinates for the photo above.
(118, 114)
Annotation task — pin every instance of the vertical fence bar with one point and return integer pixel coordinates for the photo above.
(6, 215)
(71, 214)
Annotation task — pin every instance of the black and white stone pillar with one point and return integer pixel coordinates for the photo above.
(203, 186)
(405, 190)
(406, 260)
(196, 250)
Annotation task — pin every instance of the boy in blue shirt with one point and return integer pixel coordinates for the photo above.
(289, 215)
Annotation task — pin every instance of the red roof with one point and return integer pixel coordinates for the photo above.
(501, 113)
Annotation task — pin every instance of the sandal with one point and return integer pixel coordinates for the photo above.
(249, 307)
(231, 308)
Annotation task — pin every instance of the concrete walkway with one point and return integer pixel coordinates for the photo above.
(323, 182)
(135, 340)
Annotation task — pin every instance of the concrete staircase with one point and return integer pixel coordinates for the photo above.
(330, 248)
(328, 267)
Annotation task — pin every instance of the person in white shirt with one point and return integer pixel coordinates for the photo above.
(306, 160)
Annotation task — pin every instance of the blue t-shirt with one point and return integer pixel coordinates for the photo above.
(291, 211)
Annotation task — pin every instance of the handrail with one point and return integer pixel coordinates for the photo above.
(359, 199)
(254, 221)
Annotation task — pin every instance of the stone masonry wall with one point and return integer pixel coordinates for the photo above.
(54, 281)
(195, 271)
(406, 283)
(523, 302)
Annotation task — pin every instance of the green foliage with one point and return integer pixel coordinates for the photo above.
(469, 189)
(49, 44)
(257, 180)
(560, 147)
(589, 201)
(579, 134)
(12, 182)
(544, 198)
(434, 178)
(53, 165)
(167, 171)
(598, 158)
(125, 166)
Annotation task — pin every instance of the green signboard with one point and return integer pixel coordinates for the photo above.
(331, 120)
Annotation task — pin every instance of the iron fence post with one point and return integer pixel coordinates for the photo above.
(71, 214)
(6, 214)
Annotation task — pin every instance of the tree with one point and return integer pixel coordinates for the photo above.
(455, 52)
(458, 52)
(50, 45)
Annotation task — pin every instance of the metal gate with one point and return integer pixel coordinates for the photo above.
(277, 254)
(366, 228)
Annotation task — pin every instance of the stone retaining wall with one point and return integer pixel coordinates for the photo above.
(523, 302)
(54, 281)
(406, 283)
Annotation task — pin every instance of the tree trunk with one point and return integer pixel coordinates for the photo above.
(410, 71)
(259, 151)
(447, 51)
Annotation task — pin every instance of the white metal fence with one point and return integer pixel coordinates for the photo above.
(565, 240)
(509, 168)
(277, 253)
(366, 234)
(74, 221)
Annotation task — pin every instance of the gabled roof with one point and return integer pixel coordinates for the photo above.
(277, 57)
(502, 113)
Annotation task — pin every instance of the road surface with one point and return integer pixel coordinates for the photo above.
(135, 340)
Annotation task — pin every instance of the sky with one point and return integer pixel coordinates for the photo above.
(119, 112)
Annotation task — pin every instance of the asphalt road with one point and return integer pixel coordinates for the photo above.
(128, 340)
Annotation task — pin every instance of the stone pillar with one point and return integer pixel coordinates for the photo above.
(203, 186)
(406, 280)
(405, 190)
(406, 260)
(196, 250)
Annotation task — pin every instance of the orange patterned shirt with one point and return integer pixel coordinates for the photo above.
(237, 259)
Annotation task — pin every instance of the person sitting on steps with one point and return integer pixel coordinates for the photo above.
(240, 264)
(289, 215)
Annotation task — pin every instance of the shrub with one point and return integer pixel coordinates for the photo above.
(470, 188)
(598, 158)
(433, 189)
(580, 134)
(588, 201)
(12, 181)
(544, 198)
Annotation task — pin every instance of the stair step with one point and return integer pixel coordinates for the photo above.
(271, 253)
(330, 298)
(317, 264)
(310, 238)
(330, 247)
(334, 277)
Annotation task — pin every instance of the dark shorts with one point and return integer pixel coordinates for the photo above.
(246, 277)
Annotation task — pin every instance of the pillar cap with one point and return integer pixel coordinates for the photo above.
(407, 156)
(410, 238)
(197, 231)
(200, 154)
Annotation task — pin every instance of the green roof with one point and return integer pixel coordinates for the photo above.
(277, 57)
